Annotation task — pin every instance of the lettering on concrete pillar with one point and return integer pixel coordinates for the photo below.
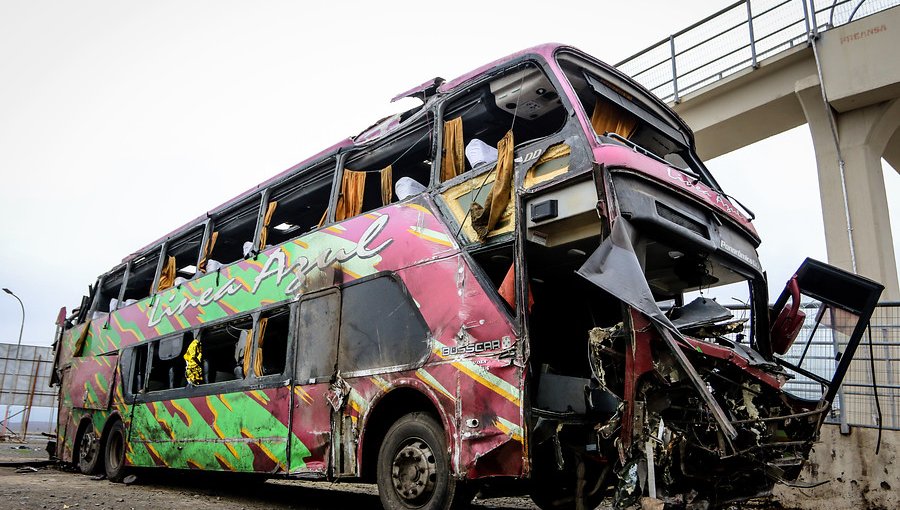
(862, 34)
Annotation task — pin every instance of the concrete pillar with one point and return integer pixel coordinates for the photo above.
(864, 134)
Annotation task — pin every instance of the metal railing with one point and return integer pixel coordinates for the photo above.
(736, 38)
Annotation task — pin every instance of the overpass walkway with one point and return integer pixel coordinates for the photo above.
(760, 67)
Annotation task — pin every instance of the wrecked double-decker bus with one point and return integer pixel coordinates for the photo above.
(508, 283)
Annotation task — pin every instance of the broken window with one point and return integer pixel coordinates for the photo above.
(235, 227)
(138, 368)
(391, 170)
(181, 258)
(107, 299)
(302, 203)
(381, 327)
(167, 366)
(141, 272)
(498, 264)
(317, 340)
(522, 101)
(225, 350)
(618, 117)
(273, 332)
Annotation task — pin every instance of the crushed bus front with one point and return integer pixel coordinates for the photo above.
(679, 399)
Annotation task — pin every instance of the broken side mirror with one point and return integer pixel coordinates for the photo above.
(786, 325)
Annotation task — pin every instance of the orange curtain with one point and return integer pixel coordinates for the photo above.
(387, 188)
(167, 276)
(507, 289)
(350, 202)
(258, 358)
(267, 219)
(453, 162)
(612, 118)
(248, 352)
(207, 250)
(484, 219)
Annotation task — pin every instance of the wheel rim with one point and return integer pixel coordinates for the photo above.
(414, 471)
(87, 451)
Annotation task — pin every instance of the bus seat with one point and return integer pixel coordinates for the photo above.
(407, 187)
(478, 152)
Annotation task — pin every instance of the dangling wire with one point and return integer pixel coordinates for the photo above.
(512, 125)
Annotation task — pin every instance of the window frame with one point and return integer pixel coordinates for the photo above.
(429, 335)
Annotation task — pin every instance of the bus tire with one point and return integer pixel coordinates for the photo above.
(413, 469)
(115, 452)
(87, 457)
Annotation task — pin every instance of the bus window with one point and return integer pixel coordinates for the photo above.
(167, 365)
(223, 359)
(301, 204)
(392, 170)
(381, 327)
(522, 100)
(107, 298)
(235, 228)
(272, 342)
(139, 369)
(141, 273)
(616, 115)
(317, 341)
(181, 259)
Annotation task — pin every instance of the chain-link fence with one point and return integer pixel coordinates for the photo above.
(735, 38)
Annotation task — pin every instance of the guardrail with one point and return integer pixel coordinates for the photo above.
(736, 38)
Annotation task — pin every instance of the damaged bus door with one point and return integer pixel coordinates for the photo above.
(844, 302)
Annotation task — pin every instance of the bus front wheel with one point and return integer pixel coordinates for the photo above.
(115, 452)
(413, 466)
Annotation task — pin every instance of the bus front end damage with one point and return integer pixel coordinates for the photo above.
(683, 400)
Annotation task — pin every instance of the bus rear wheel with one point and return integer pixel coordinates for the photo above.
(115, 452)
(88, 455)
(413, 469)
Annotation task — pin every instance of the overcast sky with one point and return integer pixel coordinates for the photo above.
(121, 120)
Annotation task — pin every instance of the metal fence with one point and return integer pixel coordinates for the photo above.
(874, 367)
(736, 38)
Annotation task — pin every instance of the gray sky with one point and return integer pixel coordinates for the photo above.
(120, 121)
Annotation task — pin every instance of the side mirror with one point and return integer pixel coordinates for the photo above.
(787, 324)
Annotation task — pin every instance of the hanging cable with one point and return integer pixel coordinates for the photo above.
(874, 388)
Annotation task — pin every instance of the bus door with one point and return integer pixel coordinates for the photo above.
(315, 359)
(839, 305)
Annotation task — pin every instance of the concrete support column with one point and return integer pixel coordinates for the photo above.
(864, 134)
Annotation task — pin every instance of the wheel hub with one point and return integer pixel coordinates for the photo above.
(413, 471)
(89, 447)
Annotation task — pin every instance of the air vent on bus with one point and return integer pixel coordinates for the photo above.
(682, 220)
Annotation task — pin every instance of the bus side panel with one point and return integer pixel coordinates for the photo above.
(474, 337)
(241, 431)
(89, 382)
(311, 430)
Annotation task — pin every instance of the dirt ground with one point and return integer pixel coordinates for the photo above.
(53, 487)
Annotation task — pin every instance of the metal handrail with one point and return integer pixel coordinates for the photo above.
(802, 22)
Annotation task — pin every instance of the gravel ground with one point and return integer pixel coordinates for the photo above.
(53, 487)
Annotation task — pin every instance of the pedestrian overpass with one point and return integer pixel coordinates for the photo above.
(760, 67)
